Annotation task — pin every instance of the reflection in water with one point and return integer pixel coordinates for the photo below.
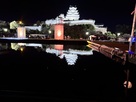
(58, 47)
(70, 53)
(61, 79)
(71, 58)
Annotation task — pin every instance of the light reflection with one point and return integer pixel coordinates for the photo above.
(58, 46)
(71, 55)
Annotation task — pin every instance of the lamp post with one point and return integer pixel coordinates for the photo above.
(21, 32)
(132, 31)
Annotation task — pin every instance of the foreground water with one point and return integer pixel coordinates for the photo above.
(75, 73)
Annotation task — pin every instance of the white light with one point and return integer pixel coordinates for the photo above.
(87, 33)
(21, 32)
(49, 31)
(118, 34)
(59, 33)
(5, 29)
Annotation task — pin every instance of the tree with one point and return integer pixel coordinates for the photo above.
(38, 23)
(123, 29)
(13, 26)
(78, 31)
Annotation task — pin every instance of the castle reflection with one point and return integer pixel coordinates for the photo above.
(69, 52)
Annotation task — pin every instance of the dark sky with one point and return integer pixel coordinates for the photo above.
(107, 12)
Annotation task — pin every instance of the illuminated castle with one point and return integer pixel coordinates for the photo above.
(72, 18)
(72, 14)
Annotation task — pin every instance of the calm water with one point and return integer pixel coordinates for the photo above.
(59, 73)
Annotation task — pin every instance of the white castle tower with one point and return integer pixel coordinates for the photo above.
(72, 18)
(72, 14)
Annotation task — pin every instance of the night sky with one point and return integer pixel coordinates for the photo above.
(107, 12)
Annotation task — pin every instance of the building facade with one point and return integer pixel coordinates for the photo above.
(73, 18)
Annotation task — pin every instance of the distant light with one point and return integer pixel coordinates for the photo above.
(21, 49)
(20, 22)
(49, 31)
(21, 32)
(129, 84)
(118, 34)
(87, 33)
(5, 29)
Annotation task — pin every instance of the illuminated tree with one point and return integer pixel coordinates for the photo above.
(13, 26)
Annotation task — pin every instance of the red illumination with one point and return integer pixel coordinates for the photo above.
(59, 32)
(58, 47)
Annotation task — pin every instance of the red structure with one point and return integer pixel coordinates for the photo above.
(59, 31)
(59, 35)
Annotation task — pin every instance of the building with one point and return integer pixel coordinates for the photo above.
(39, 28)
(73, 18)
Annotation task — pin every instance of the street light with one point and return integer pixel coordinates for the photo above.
(118, 34)
(87, 33)
(49, 31)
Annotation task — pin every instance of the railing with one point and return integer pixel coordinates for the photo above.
(111, 52)
(118, 55)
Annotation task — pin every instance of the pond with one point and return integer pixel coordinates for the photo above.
(59, 72)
